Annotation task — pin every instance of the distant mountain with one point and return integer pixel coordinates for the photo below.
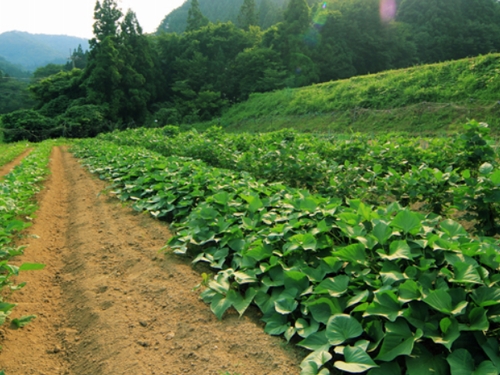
(34, 50)
(13, 70)
(270, 12)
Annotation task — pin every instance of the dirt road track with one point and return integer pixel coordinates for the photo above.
(108, 303)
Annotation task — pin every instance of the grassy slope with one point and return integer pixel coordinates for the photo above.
(428, 98)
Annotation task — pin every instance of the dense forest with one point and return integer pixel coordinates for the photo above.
(130, 79)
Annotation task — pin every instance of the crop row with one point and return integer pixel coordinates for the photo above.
(382, 290)
(9, 152)
(17, 191)
(440, 175)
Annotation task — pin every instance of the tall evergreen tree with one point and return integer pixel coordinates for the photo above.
(196, 20)
(247, 16)
(106, 15)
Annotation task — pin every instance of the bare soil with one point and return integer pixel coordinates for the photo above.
(108, 303)
(6, 168)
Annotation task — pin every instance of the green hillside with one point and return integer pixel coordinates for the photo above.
(270, 12)
(34, 50)
(433, 97)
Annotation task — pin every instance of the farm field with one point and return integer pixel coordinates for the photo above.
(374, 255)
(108, 303)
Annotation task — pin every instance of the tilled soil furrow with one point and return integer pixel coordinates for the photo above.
(6, 168)
(125, 308)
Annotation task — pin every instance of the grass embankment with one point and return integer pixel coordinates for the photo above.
(429, 98)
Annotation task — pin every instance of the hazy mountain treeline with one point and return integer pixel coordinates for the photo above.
(132, 79)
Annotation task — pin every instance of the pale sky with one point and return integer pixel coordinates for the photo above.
(75, 17)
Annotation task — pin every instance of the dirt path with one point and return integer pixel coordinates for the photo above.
(6, 168)
(108, 303)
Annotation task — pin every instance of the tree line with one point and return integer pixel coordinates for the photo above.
(129, 79)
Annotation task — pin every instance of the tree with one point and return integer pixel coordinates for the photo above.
(247, 16)
(106, 17)
(196, 20)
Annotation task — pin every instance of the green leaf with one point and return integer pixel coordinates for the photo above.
(254, 202)
(465, 273)
(495, 177)
(341, 328)
(478, 321)
(440, 300)
(485, 296)
(286, 305)
(313, 362)
(461, 362)
(322, 309)
(334, 286)
(397, 250)
(355, 253)
(296, 280)
(409, 291)
(450, 332)
(422, 362)
(305, 328)
(407, 221)
(485, 168)
(23, 321)
(219, 305)
(452, 228)
(356, 361)
(398, 340)
(386, 304)
(31, 267)
(315, 341)
(386, 369)
(276, 324)
(382, 232)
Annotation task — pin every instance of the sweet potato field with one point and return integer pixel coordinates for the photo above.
(378, 255)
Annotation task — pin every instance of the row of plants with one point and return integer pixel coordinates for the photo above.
(17, 205)
(441, 175)
(9, 152)
(366, 289)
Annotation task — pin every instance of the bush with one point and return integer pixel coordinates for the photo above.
(27, 124)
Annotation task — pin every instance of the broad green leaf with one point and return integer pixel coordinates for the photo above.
(450, 332)
(386, 304)
(356, 361)
(314, 361)
(296, 280)
(323, 308)
(490, 347)
(452, 228)
(495, 177)
(286, 305)
(485, 168)
(341, 328)
(239, 302)
(31, 267)
(276, 324)
(422, 362)
(407, 221)
(305, 328)
(222, 198)
(409, 291)
(399, 340)
(478, 321)
(440, 300)
(485, 296)
(386, 369)
(465, 273)
(254, 202)
(355, 253)
(308, 204)
(315, 341)
(461, 362)
(334, 286)
(219, 305)
(397, 250)
(5, 307)
(382, 231)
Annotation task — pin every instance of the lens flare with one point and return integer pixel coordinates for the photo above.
(388, 10)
